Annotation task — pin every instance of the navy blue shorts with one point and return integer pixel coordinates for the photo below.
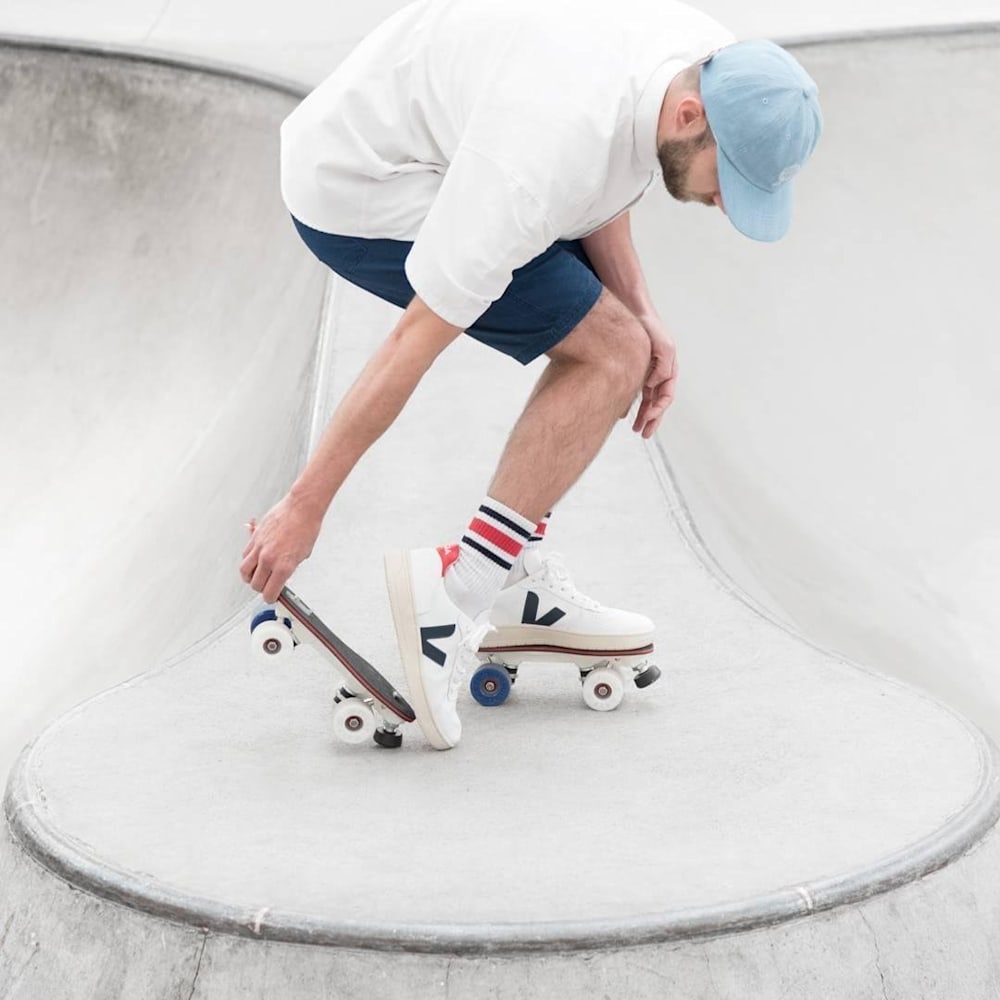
(545, 300)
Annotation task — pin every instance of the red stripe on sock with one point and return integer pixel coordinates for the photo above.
(496, 537)
(540, 528)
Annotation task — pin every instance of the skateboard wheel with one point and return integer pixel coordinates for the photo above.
(647, 677)
(386, 738)
(490, 684)
(272, 641)
(353, 721)
(603, 689)
(266, 615)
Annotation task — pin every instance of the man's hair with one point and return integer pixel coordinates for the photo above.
(689, 79)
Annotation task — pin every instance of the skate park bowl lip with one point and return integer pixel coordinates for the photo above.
(71, 859)
(156, 57)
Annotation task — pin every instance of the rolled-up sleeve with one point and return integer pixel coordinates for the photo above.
(483, 225)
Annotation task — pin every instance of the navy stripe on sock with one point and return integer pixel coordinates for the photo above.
(513, 525)
(473, 544)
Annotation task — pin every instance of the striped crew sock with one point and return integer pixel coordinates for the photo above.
(489, 548)
(518, 571)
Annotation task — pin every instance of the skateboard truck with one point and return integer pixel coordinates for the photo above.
(366, 705)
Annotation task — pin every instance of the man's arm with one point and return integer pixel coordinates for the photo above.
(613, 255)
(616, 262)
(285, 536)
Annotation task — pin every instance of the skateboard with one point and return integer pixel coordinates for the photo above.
(367, 704)
(604, 674)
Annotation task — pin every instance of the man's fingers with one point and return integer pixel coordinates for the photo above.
(649, 395)
(277, 576)
(650, 429)
(655, 403)
(260, 577)
(266, 574)
(249, 564)
(640, 417)
(662, 368)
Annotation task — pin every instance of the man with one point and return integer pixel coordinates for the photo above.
(473, 161)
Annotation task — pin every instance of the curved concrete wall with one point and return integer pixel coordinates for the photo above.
(159, 318)
(835, 436)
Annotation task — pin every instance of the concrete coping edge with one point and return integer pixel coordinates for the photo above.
(77, 864)
(300, 88)
(156, 57)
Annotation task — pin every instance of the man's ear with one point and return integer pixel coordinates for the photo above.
(689, 116)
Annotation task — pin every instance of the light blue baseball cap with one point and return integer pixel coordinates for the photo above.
(763, 108)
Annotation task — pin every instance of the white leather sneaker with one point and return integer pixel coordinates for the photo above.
(437, 642)
(544, 612)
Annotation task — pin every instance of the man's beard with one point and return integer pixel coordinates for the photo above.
(675, 157)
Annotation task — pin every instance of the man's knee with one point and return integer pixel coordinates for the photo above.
(610, 337)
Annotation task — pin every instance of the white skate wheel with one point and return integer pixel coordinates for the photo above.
(603, 689)
(272, 641)
(353, 721)
(624, 672)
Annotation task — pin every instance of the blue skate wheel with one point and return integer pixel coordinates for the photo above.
(490, 685)
(266, 615)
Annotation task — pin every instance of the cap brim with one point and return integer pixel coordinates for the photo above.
(761, 215)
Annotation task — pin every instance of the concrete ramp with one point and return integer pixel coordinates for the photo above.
(159, 324)
(768, 820)
(835, 439)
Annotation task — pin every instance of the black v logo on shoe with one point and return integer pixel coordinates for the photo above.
(530, 616)
(435, 632)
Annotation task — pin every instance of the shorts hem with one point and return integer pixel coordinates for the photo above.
(567, 323)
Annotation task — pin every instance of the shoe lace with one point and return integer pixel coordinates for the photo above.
(465, 655)
(560, 580)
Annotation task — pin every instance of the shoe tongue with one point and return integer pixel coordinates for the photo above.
(533, 560)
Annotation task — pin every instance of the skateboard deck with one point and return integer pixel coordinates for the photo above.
(367, 703)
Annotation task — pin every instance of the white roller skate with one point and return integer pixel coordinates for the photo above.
(544, 617)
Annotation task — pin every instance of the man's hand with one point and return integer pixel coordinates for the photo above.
(282, 540)
(661, 379)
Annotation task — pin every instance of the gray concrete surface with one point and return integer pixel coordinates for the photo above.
(769, 819)
(152, 296)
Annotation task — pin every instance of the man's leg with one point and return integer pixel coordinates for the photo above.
(439, 598)
(592, 378)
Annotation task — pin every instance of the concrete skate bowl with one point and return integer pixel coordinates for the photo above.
(766, 816)
(835, 441)
(159, 319)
